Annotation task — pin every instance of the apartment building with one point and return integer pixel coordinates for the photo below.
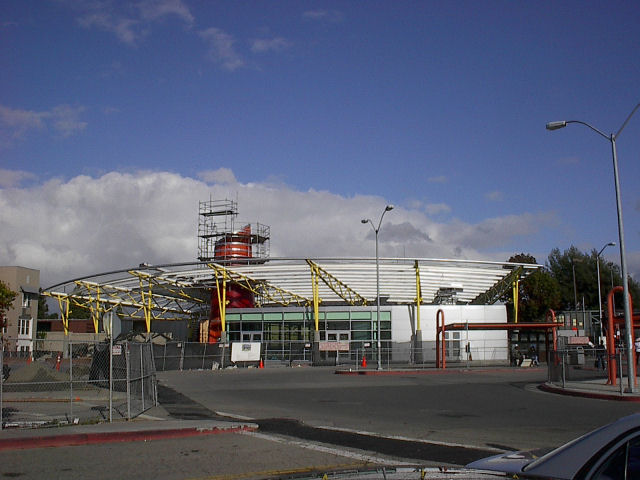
(18, 333)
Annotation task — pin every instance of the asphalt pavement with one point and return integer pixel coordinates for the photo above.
(274, 423)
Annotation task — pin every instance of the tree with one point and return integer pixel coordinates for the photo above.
(78, 311)
(537, 293)
(573, 267)
(7, 296)
(43, 308)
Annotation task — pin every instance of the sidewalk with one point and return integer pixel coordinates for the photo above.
(598, 389)
(595, 389)
(153, 425)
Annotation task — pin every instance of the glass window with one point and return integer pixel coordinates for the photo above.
(385, 325)
(293, 316)
(232, 316)
(251, 316)
(614, 466)
(251, 326)
(361, 335)
(337, 315)
(360, 325)
(338, 325)
(360, 315)
(273, 316)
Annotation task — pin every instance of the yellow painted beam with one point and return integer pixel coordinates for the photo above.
(418, 295)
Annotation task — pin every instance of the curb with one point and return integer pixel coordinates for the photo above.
(434, 371)
(76, 439)
(581, 393)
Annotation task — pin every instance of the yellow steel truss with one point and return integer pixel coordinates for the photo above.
(261, 288)
(340, 288)
(418, 295)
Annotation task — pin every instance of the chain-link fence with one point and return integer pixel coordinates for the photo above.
(76, 382)
(201, 356)
(583, 364)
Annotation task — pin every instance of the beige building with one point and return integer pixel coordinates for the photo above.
(18, 332)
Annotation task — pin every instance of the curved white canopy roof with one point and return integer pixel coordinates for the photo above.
(183, 289)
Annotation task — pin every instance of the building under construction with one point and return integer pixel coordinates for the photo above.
(314, 309)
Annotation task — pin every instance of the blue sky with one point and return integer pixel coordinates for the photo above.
(438, 107)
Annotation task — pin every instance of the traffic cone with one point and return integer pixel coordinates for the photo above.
(364, 362)
(261, 364)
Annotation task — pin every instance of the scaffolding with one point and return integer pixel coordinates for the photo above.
(222, 237)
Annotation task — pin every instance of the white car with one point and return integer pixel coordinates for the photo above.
(609, 453)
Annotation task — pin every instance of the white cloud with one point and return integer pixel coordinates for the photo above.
(128, 22)
(66, 120)
(495, 196)
(86, 225)
(269, 45)
(62, 119)
(157, 9)
(437, 208)
(221, 175)
(13, 178)
(329, 16)
(18, 122)
(438, 179)
(125, 29)
(221, 49)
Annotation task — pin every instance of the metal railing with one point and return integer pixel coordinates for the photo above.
(76, 382)
(583, 366)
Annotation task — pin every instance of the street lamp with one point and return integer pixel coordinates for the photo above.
(610, 244)
(628, 322)
(388, 208)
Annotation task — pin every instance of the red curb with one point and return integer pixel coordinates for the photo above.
(439, 371)
(579, 393)
(76, 439)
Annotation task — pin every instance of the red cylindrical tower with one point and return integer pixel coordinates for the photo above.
(232, 246)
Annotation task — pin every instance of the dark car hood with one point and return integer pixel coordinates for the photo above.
(509, 462)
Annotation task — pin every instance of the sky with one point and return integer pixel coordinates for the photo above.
(117, 118)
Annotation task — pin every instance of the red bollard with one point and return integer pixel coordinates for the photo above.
(58, 362)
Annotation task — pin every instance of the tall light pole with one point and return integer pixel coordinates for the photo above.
(610, 244)
(628, 321)
(388, 208)
(575, 290)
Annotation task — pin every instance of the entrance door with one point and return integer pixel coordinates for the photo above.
(339, 341)
(252, 336)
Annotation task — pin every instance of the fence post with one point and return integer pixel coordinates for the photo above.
(70, 344)
(564, 380)
(182, 345)
(620, 367)
(1, 384)
(110, 374)
(142, 379)
(127, 366)
(164, 358)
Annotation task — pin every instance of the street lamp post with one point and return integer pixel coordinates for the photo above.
(376, 230)
(575, 290)
(628, 322)
(610, 244)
